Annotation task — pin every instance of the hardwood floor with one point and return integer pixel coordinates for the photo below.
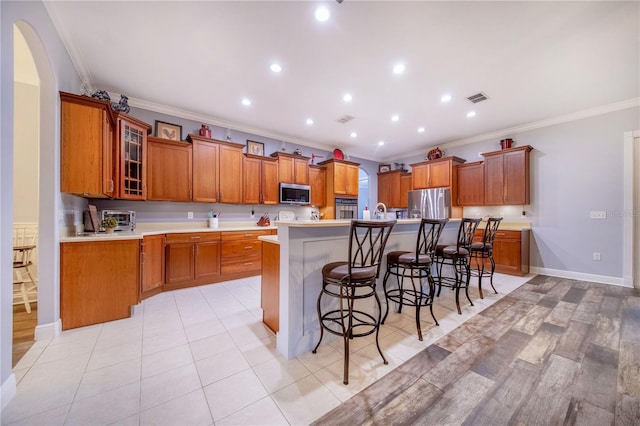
(24, 325)
(554, 351)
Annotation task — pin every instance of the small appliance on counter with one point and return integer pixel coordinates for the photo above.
(432, 203)
(286, 215)
(126, 220)
(346, 208)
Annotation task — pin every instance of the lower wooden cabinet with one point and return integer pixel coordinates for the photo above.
(270, 288)
(510, 251)
(191, 259)
(151, 265)
(98, 281)
(242, 253)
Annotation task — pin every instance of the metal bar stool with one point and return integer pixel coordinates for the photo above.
(415, 265)
(482, 250)
(457, 256)
(353, 281)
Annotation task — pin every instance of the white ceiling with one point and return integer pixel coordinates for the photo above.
(534, 60)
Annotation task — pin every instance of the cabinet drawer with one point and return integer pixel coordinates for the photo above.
(508, 235)
(192, 237)
(244, 264)
(242, 235)
(241, 247)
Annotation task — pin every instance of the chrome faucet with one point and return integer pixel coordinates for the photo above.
(384, 210)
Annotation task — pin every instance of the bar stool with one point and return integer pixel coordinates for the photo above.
(354, 281)
(457, 256)
(482, 250)
(415, 265)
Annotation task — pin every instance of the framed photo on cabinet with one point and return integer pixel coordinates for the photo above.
(384, 168)
(168, 131)
(255, 148)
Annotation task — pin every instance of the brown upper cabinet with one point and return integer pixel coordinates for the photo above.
(393, 187)
(131, 157)
(169, 170)
(87, 167)
(292, 168)
(506, 175)
(318, 182)
(260, 180)
(434, 173)
(342, 177)
(217, 170)
(470, 184)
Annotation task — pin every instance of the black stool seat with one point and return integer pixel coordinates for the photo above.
(416, 266)
(457, 256)
(348, 282)
(483, 250)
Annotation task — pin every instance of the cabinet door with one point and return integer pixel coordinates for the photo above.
(206, 157)
(385, 183)
(152, 264)
(470, 184)
(230, 175)
(353, 181)
(270, 186)
(133, 157)
(420, 176)
(207, 260)
(270, 288)
(287, 169)
(180, 261)
(405, 187)
(86, 163)
(317, 180)
(340, 178)
(440, 174)
(516, 177)
(301, 171)
(507, 255)
(251, 181)
(169, 171)
(494, 180)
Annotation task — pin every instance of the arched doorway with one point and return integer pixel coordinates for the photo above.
(363, 191)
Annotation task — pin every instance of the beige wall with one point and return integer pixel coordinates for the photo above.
(25, 154)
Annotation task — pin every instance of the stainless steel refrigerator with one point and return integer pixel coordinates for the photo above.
(432, 203)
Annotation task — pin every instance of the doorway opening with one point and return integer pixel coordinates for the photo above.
(363, 191)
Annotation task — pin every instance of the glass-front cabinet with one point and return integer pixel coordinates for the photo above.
(132, 157)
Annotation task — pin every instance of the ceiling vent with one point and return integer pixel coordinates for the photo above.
(478, 97)
(345, 119)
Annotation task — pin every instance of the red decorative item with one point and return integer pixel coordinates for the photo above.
(434, 154)
(506, 143)
(205, 131)
(337, 154)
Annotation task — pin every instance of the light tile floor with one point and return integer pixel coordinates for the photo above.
(202, 356)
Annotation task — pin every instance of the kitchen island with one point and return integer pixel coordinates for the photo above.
(305, 247)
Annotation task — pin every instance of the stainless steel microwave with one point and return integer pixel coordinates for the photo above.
(295, 194)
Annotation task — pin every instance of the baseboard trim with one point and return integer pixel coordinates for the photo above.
(8, 390)
(48, 331)
(602, 279)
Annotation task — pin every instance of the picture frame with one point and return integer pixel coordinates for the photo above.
(255, 148)
(384, 168)
(169, 131)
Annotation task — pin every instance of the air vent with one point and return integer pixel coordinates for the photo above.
(345, 119)
(478, 97)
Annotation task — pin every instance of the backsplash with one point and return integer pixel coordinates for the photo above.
(509, 213)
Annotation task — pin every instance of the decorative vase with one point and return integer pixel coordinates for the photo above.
(122, 105)
(506, 143)
(109, 230)
(205, 131)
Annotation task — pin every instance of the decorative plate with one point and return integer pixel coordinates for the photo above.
(337, 154)
(434, 153)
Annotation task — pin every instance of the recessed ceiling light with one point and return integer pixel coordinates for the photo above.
(445, 98)
(322, 14)
(399, 68)
(246, 102)
(421, 129)
(309, 121)
(471, 114)
(380, 143)
(354, 134)
(347, 97)
(395, 117)
(276, 67)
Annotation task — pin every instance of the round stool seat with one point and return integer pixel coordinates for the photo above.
(480, 246)
(408, 258)
(339, 271)
(455, 251)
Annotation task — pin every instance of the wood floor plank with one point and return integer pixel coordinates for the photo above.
(606, 331)
(347, 413)
(559, 290)
(630, 321)
(574, 341)
(548, 302)
(611, 306)
(561, 314)
(495, 361)
(548, 402)
(531, 322)
(574, 295)
(508, 319)
(546, 285)
(628, 411)
(583, 413)
(541, 344)
(457, 337)
(586, 311)
(594, 294)
(457, 402)
(629, 370)
(529, 296)
(495, 310)
(598, 378)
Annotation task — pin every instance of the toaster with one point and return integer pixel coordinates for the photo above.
(126, 220)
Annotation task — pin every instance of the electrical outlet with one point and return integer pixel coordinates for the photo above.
(596, 255)
(189, 215)
(598, 214)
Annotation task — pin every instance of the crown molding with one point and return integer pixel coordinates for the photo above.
(509, 131)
